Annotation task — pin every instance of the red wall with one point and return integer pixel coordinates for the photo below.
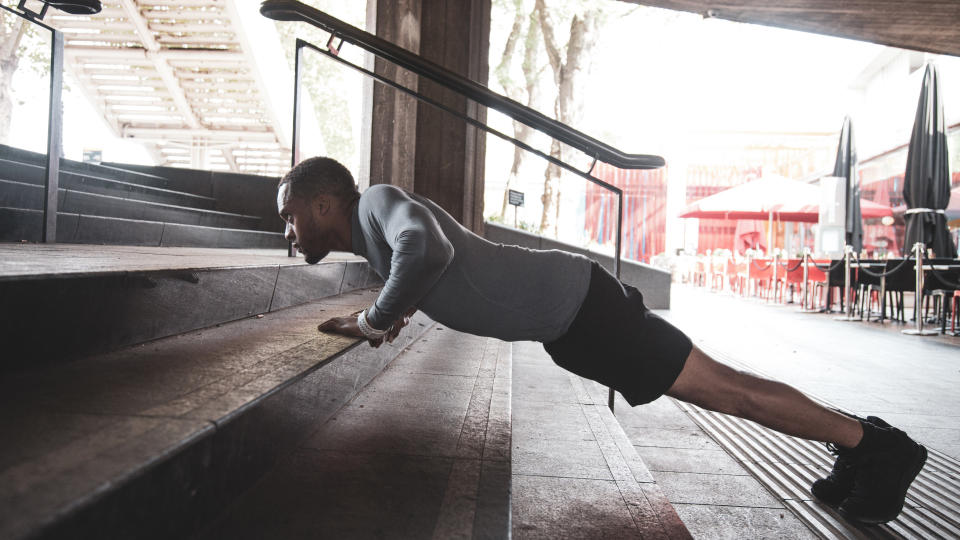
(644, 210)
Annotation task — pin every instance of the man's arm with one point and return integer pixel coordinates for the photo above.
(421, 253)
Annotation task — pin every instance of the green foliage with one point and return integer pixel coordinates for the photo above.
(33, 50)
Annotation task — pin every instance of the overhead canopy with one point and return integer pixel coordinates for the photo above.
(923, 25)
(785, 199)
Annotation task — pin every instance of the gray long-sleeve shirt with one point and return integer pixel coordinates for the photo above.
(429, 261)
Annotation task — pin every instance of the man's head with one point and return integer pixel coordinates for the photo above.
(314, 199)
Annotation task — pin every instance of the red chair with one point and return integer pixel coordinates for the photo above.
(953, 315)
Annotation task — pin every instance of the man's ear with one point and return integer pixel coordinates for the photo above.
(321, 204)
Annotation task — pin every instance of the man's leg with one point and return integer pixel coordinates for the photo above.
(718, 387)
(882, 460)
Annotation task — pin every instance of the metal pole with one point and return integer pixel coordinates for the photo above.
(805, 292)
(918, 296)
(295, 135)
(773, 281)
(747, 284)
(616, 269)
(848, 301)
(51, 184)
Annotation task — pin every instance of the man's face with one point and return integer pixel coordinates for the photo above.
(310, 224)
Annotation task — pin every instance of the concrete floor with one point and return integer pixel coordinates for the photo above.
(864, 367)
(867, 368)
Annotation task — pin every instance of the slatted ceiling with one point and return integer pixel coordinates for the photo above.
(787, 466)
(173, 73)
(923, 25)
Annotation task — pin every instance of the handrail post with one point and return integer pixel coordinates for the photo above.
(918, 296)
(297, 99)
(616, 268)
(51, 184)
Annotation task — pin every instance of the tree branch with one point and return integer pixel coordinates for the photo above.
(503, 68)
(549, 41)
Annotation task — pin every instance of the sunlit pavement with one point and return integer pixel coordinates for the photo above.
(866, 368)
(862, 367)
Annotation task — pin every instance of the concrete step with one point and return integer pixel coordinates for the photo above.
(422, 452)
(63, 301)
(21, 225)
(575, 472)
(141, 177)
(153, 441)
(35, 175)
(13, 194)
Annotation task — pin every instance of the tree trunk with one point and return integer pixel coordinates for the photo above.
(9, 60)
(531, 89)
(568, 73)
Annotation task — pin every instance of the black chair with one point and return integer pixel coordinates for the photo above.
(939, 286)
(902, 277)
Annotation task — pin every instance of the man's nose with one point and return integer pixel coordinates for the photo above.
(289, 234)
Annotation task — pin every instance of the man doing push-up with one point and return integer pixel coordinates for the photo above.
(589, 323)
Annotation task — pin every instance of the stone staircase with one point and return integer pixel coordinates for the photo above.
(151, 392)
(144, 206)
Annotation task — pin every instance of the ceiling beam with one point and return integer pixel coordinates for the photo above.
(164, 69)
(924, 25)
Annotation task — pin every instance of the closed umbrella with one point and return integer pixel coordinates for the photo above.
(846, 167)
(926, 186)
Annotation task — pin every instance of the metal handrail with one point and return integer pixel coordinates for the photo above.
(51, 177)
(291, 10)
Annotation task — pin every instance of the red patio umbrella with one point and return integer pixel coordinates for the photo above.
(772, 197)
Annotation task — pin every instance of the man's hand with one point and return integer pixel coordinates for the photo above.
(347, 326)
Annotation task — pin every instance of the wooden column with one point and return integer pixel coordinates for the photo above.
(450, 154)
(394, 114)
(416, 146)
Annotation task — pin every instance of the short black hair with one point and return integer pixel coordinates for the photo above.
(321, 175)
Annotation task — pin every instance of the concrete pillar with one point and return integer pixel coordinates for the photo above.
(417, 146)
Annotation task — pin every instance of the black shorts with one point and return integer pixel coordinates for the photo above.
(616, 341)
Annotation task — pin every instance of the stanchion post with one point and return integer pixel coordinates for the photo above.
(806, 278)
(773, 280)
(847, 297)
(747, 284)
(918, 296)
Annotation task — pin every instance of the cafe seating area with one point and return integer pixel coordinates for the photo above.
(869, 290)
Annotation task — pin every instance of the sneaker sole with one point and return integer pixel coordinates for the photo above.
(905, 481)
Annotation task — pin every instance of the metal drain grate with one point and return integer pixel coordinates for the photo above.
(787, 466)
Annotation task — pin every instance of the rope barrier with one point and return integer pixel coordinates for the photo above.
(794, 267)
(829, 267)
(944, 281)
(884, 273)
(754, 264)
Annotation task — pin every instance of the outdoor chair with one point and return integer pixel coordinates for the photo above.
(833, 279)
(901, 278)
(761, 272)
(868, 288)
(939, 286)
(955, 313)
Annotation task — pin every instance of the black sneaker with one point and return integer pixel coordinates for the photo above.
(76, 7)
(837, 486)
(884, 471)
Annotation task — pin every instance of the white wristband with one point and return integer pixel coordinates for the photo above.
(368, 331)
